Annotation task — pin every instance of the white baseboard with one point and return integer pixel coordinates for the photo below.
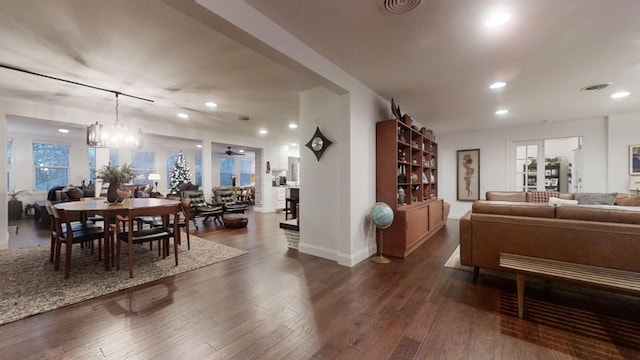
(355, 259)
(318, 251)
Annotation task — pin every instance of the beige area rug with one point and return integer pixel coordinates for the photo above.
(29, 285)
(454, 261)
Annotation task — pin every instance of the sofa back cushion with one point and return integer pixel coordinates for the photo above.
(513, 208)
(628, 200)
(599, 213)
(516, 196)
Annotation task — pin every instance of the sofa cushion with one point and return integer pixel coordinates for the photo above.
(600, 213)
(596, 198)
(517, 196)
(558, 201)
(542, 196)
(513, 208)
(628, 201)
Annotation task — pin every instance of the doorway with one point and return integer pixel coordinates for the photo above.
(549, 164)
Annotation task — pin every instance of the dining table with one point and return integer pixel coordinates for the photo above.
(109, 212)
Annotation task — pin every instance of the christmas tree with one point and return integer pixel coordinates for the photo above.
(180, 174)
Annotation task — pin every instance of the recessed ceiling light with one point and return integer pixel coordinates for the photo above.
(294, 144)
(293, 126)
(183, 116)
(64, 131)
(502, 112)
(241, 150)
(199, 146)
(263, 131)
(497, 85)
(211, 104)
(620, 94)
(497, 19)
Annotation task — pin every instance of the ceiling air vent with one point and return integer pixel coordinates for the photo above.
(400, 6)
(595, 87)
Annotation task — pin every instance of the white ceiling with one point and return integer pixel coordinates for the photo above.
(436, 61)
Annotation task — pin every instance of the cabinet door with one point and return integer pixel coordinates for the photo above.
(417, 224)
(436, 213)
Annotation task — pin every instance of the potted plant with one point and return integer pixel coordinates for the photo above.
(15, 205)
(30, 209)
(116, 177)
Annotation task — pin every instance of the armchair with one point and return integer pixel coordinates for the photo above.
(228, 197)
(198, 207)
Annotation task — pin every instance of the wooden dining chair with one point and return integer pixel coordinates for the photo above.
(69, 236)
(182, 221)
(126, 231)
(75, 226)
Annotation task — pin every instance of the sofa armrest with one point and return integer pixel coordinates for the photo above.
(465, 239)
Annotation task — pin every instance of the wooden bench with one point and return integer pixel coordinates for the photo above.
(605, 278)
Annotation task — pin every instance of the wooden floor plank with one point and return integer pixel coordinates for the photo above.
(277, 303)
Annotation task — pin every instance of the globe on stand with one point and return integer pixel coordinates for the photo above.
(382, 217)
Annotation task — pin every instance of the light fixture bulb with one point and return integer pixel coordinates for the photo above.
(502, 112)
(183, 116)
(497, 19)
(620, 95)
(497, 85)
(293, 126)
(211, 104)
(263, 132)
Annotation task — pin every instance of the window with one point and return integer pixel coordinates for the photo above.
(246, 172)
(113, 160)
(198, 170)
(113, 157)
(9, 162)
(143, 164)
(51, 165)
(171, 164)
(226, 171)
(92, 165)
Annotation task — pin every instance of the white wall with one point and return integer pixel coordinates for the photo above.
(495, 169)
(624, 130)
(320, 216)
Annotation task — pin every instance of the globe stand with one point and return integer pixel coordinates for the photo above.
(380, 259)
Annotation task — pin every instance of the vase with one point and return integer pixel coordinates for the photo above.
(112, 192)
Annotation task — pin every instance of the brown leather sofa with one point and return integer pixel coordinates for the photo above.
(597, 235)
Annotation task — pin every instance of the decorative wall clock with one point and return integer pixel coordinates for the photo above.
(318, 143)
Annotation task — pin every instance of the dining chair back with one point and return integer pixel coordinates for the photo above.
(66, 232)
(128, 233)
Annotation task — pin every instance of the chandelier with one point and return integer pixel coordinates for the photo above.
(100, 135)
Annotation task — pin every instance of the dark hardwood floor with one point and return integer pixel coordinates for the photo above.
(276, 303)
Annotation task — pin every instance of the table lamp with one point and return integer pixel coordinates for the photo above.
(634, 184)
(156, 178)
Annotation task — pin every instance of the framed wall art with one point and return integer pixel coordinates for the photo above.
(634, 159)
(468, 175)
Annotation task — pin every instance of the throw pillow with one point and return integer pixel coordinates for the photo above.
(557, 201)
(74, 193)
(543, 196)
(596, 198)
(628, 201)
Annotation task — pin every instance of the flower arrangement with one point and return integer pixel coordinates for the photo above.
(113, 174)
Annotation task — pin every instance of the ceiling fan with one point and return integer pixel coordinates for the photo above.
(231, 152)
